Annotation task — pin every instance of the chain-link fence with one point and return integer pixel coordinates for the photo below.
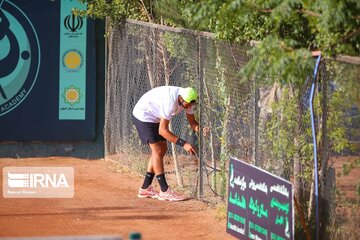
(266, 125)
(338, 127)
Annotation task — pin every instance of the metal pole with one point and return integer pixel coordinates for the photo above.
(315, 148)
(256, 123)
(201, 159)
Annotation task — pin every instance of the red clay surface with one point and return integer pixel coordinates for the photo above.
(105, 203)
(347, 183)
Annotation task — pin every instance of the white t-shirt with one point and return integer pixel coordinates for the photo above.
(160, 102)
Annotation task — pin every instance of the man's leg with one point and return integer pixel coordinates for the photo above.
(158, 151)
(146, 190)
(150, 167)
(150, 132)
(148, 176)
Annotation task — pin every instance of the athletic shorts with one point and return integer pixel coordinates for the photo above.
(148, 132)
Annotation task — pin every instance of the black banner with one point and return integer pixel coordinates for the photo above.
(47, 77)
(260, 204)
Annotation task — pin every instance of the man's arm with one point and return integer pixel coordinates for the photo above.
(168, 135)
(165, 132)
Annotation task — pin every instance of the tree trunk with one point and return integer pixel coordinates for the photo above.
(148, 61)
(167, 72)
(224, 144)
(311, 197)
(211, 143)
(297, 156)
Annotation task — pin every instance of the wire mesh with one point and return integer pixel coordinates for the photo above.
(262, 123)
(339, 150)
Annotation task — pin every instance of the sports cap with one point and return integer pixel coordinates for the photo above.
(189, 94)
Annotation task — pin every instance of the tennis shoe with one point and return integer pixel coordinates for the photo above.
(150, 192)
(171, 195)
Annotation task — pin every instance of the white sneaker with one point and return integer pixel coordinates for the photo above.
(171, 195)
(150, 192)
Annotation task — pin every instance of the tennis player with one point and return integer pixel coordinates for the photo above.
(152, 115)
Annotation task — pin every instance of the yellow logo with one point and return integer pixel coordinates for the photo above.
(72, 95)
(72, 60)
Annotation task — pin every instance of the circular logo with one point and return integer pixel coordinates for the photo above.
(72, 60)
(19, 56)
(72, 95)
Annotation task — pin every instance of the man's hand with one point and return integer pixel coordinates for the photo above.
(190, 149)
(205, 130)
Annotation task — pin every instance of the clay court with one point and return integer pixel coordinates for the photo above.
(105, 203)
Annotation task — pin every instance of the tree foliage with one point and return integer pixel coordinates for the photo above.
(116, 10)
(287, 30)
(329, 25)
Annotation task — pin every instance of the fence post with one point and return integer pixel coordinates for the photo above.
(201, 77)
(256, 123)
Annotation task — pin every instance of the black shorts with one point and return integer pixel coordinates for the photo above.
(148, 132)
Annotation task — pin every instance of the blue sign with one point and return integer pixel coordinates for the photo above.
(72, 74)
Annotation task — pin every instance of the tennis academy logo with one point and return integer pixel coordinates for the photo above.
(19, 56)
(38, 182)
